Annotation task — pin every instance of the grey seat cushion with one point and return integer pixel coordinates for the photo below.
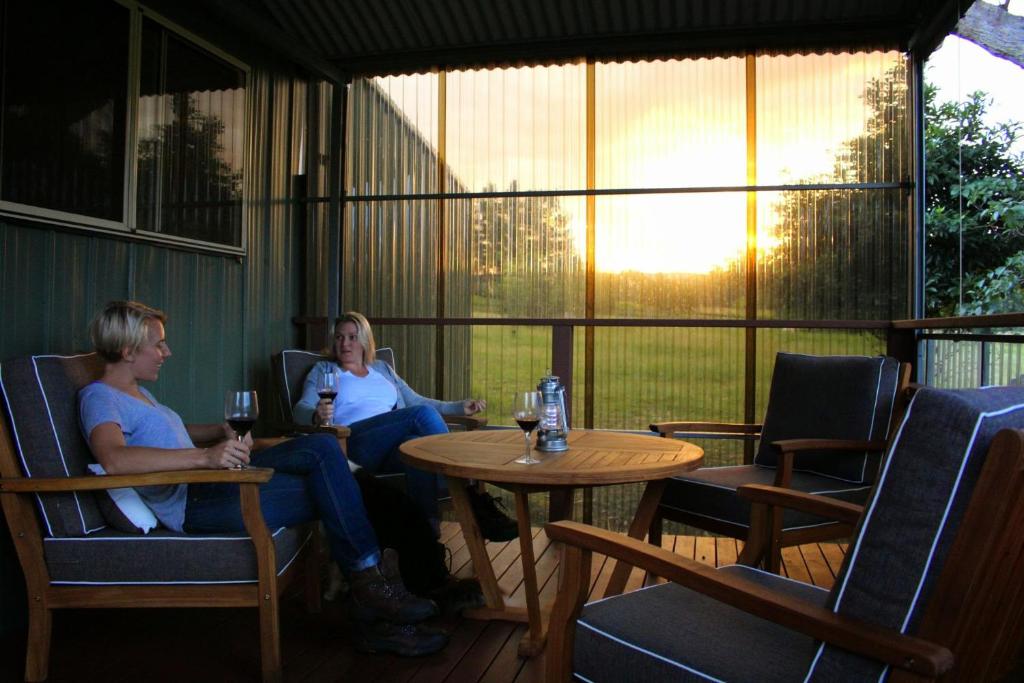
(670, 633)
(710, 492)
(164, 557)
(830, 397)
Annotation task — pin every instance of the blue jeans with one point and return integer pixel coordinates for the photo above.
(374, 444)
(311, 481)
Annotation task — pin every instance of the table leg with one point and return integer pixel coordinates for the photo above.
(532, 642)
(475, 543)
(641, 523)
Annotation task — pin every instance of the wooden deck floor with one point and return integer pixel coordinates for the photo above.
(221, 645)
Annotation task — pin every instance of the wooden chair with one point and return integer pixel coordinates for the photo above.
(72, 557)
(826, 426)
(929, 588)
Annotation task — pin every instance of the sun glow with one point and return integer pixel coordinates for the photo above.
(659, 125)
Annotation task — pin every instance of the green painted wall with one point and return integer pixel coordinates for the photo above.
(227, 315)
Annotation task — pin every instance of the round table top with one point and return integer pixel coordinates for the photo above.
(594, 457)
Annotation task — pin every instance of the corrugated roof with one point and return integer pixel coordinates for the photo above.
(391, 36)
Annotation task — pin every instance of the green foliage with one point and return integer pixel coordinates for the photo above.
(975, 210)
(843, 253)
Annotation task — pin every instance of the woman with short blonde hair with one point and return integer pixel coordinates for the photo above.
(122, 325)
(129, 431)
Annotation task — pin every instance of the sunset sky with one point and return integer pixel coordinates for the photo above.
(673, 124)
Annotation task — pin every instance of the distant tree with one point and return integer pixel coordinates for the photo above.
(523, 253)
(974, 210)
(842, 253)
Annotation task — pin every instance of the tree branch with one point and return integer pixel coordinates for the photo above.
(993, 28)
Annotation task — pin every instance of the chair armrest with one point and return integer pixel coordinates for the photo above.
(469, 422)
(339, 431)
(250, 475)
(790, 447)
(869, 640)
(839, 510)
(711, 429)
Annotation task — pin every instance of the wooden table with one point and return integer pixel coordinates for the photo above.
(594, 458)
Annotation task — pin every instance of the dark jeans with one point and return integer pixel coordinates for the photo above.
(311, 481)
(374, 444)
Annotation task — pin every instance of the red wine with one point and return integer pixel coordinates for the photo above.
(528, 425)
(329, 395)
(241, 425)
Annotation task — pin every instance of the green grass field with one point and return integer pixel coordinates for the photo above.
(643, 375)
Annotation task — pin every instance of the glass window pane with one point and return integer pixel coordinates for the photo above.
(190, 140)
(833, 118)
(834, 254)
(644, 375)
(516, 129)
(671, 123)
(414, 349)
(64, 107)
(501, 360)
(389, 258)
(392, 136)
(516, 257)
(671, 256)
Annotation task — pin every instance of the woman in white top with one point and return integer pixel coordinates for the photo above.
(383, 412)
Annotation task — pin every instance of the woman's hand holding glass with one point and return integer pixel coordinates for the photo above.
(241, 409)
(228, 454)
(327, 390)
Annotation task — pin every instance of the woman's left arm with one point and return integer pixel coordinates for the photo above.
(411, 398)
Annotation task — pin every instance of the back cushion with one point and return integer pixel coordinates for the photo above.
(294, 367)
(912, 518)
(830, 397)
(40, 395)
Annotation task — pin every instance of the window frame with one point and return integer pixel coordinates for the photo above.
(127, 227)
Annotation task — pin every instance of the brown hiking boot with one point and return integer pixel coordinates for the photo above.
(494, 524)
(379, 594)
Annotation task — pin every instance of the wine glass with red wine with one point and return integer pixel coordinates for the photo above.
(526, 409)
(327, 389)
(241, 410)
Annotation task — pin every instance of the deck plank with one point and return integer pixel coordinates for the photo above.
(317, 647)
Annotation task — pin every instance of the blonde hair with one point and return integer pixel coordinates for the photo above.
(363, 333)
(122, 325)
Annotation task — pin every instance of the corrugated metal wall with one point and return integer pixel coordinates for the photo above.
(226, 315)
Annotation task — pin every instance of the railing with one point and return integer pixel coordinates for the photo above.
(947, 352)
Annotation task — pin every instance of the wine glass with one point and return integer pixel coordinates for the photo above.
(241, 410)
(526, 409)
(327, 388)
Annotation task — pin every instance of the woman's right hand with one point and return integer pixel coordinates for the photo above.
(324, 411)
(227, 454)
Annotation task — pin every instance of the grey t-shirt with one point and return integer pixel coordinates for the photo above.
(153, 426)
